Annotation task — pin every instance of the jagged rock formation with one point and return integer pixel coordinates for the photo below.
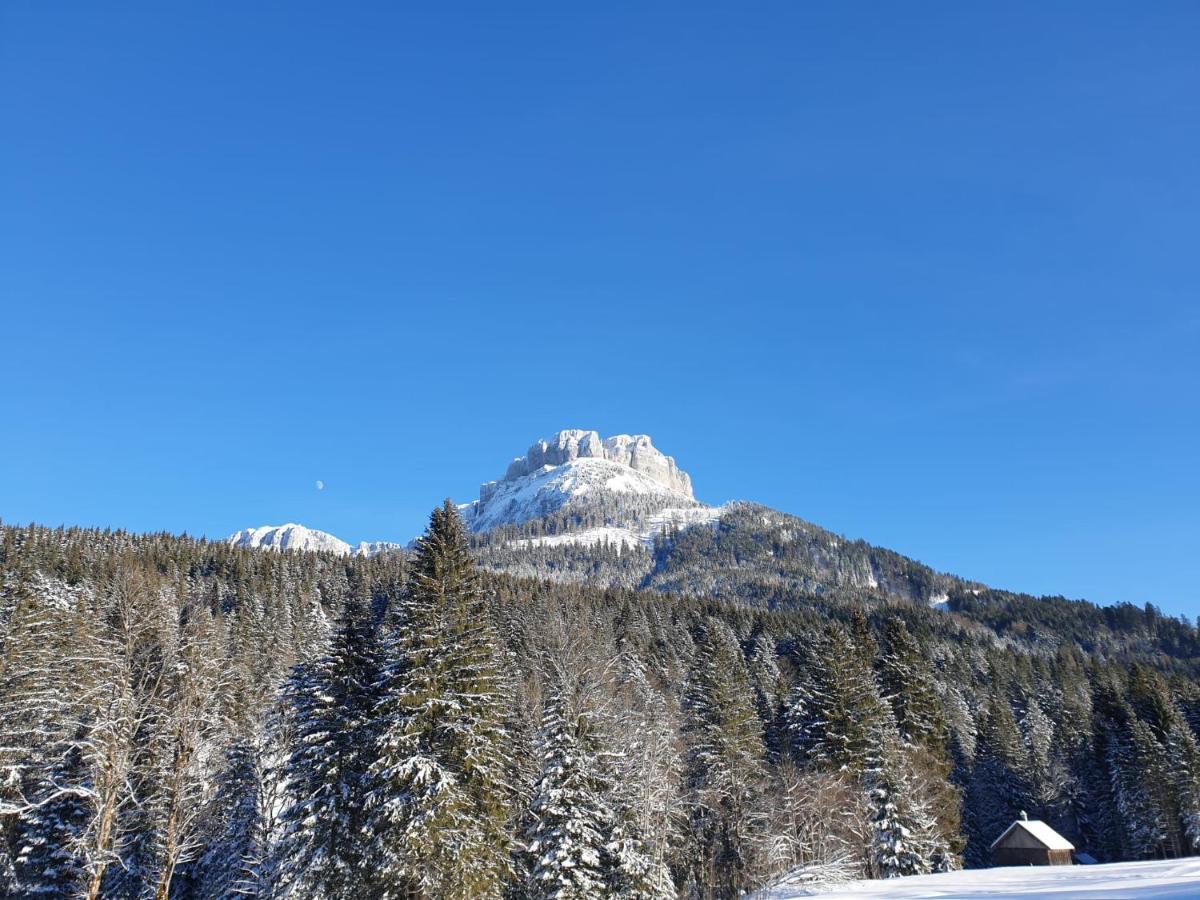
(624, 473)
(636, 451)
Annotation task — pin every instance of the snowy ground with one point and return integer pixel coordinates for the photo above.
(1177, 879)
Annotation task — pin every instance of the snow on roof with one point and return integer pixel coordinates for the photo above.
(1043, 833)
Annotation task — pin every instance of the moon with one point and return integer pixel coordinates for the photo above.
(320, 485)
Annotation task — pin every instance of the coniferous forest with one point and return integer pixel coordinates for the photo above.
(185, 719)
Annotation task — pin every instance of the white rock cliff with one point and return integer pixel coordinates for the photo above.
(636, 451)
(572, 464)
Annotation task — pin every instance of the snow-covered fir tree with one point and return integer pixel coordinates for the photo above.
(570, 819)
(905, 836)
(1183, 766)
(725, 769)
(441, 794)
(235, 837)
(1133, 764)
(907, 682)
(49, 860)
(835, 711)
(322, 853)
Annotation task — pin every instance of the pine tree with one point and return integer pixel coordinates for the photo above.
(1183, 767)
(49, 861)
(905, 836)
(835, 709)
(235, 836)
(997, 788)
(725, 769)
(441, 796)
(570, 818)
(1134, 767)
(635, 872)
(1049, 780)
(1172, 763)
(906, 679)
(322, 851)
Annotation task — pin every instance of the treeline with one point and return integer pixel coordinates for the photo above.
(181, 719)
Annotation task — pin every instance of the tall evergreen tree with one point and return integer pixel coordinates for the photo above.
(997, 789)
(570, 818)
(906, 838)
(1134, 767)
(835, 711)
(236, 835)
(906, 679)
(725, 769)
(49, 863)
(441, 798)
(322, 850)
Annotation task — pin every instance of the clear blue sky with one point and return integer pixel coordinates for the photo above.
(925, 274)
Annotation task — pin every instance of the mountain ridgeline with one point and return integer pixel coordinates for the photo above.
(586, 683)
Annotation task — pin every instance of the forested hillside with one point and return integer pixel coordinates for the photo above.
(181, 719)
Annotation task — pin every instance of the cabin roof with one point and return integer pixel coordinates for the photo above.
(1041, 832)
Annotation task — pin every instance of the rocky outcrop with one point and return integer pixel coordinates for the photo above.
(626, 475)
(636, 451)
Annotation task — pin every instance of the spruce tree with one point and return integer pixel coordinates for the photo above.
(1183, 768)
(1132, 756)
(235, 837)
(997, 788)
(321, 853)
(570, 818)
(441, 799)
(726, 773)
(49, 863)
(835, 710)
(906, 679)
(905, 836)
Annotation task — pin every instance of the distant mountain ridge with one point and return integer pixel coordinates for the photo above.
(617, 511)
(573, 469)
(297, 537)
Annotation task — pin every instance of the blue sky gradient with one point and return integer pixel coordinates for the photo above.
(925, 274)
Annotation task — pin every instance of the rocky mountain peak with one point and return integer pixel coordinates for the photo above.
(575, 466)
(636, 451)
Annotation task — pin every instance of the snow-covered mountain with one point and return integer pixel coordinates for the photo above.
(575, 503)
(577, 467)
(298, 537)
(634, 489)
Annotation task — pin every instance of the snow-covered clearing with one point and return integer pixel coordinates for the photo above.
(673, 517)
(592, 537)
(1173, 879)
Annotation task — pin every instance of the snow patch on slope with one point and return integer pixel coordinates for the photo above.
(590, 537)
(675, 519)
(683, 517)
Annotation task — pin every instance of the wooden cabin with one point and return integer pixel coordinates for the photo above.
(1031, 843)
